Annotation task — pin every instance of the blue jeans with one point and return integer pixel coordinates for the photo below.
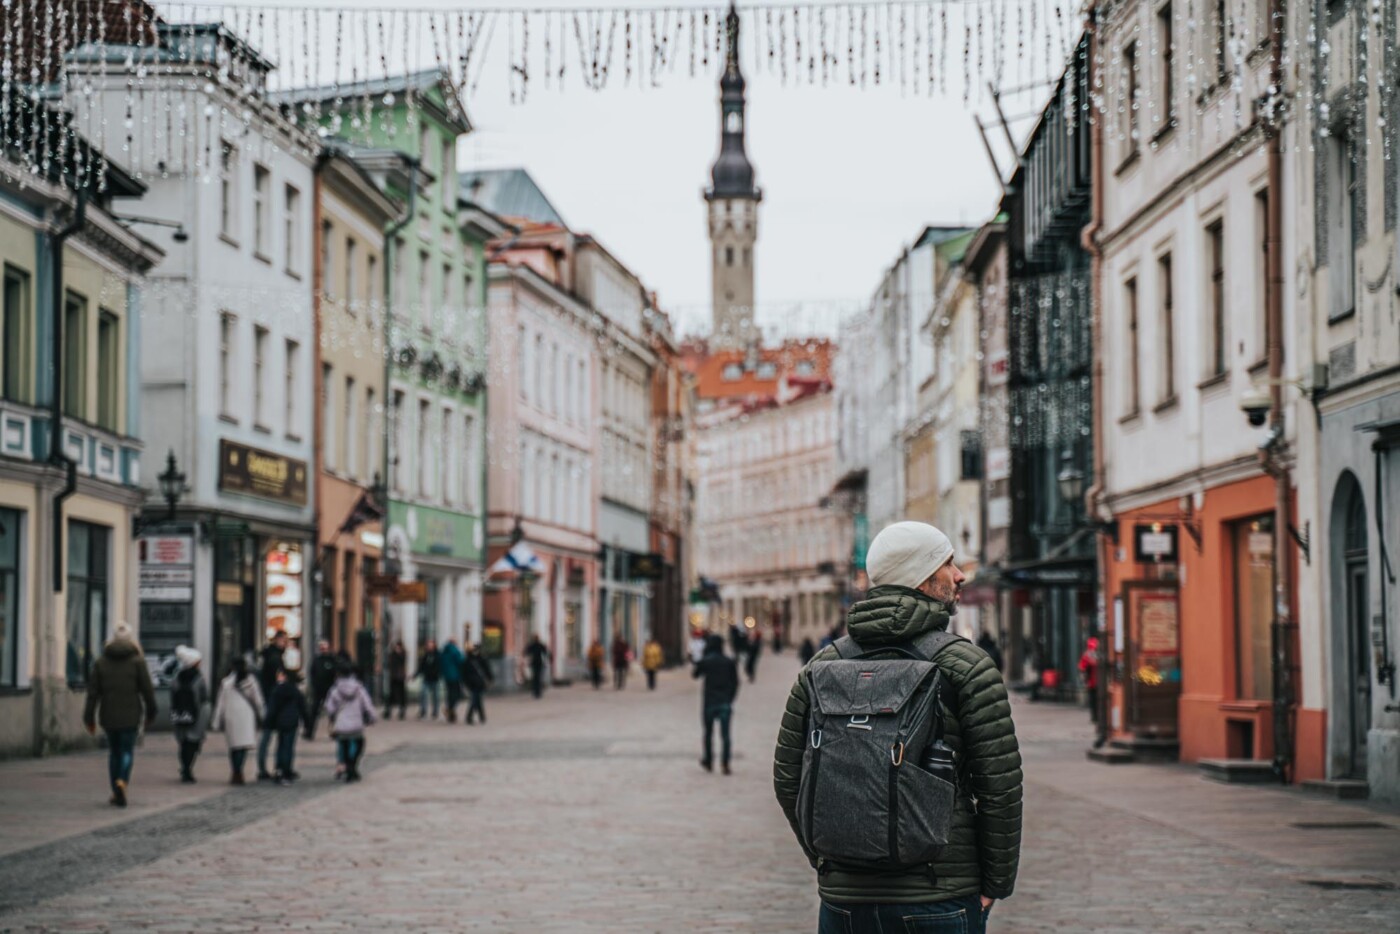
(954, 916)
(121, 752)
(286, 751)
(717, 713)
(433, 688)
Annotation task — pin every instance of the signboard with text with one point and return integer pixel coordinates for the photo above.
(245, 469)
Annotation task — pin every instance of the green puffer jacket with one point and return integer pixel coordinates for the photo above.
(985, 845)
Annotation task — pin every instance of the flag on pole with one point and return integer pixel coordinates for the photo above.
(520, 558)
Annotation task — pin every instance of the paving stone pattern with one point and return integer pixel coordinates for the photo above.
(587, 811)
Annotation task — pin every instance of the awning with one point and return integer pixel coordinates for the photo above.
(850, 481)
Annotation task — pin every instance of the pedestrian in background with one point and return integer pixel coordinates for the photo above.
(986, 643)
(537, 658)
(738, 640)
(450, 663)
(322, 677)
(238, 711)
(751, 659)
(430, 673)
(721, 674)
(1089, 668)
(651, 662)
(808, 649)
(398, 679)
(286, 711)
(597, 658)
(476, 675)
(349, 710)
(270, 665)
(189, 700)
(621, 657)
(119, 691)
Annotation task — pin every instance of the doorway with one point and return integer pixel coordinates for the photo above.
(1354, 582)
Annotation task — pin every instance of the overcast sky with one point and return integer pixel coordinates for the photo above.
(849, 176)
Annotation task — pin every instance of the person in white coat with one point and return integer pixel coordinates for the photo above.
(238, 714)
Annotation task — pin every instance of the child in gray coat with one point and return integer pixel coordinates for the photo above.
(349, 709)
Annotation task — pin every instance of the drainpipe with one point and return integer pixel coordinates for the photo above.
(56, 456)
(1089, 240)
(1283, 628)
(390, 259)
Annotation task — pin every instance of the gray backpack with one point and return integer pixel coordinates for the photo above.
(865, 800)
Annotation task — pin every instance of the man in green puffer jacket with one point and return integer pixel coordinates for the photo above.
(914, 590)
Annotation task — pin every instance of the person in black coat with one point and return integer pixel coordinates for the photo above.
(430, 670)
(269, 667)
(808, 649)
(286, 710)
(721, 675)
(755, 646)
(537, 657)
(986, 643)
(476, 677)
(322, 678)
(398, 679)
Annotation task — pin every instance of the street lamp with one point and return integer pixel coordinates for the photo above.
(179, 236)
(172, 484)
(1070, 479)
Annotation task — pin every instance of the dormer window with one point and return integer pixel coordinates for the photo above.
(733, 122)
(733, 372)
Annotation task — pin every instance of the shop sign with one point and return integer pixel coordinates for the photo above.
(245, 469)
(410, 592)
(228, 594)
(166, 550)
(998, 464)
(998, 368)
(648, 567)
(1155, 543)
(381, 585)
(166, 568)
(998, 512)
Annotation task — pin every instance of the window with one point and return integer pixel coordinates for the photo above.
(424, 280)
(1220, 22)
(556, 480)
(556, 403)
(228, 194)
(89, 574)
(109, 368)
(426, 464)
(805, 368)
(1343, 217)
(746, 257)
(729, 256)
(425, 139)
(352, 296)
(351, 436)
(328, 416)
(398, 432)
(537, 371)
(371, 283)
(1167, 339)
(1215, 259)
(1130, 307)
(1130, 79)
(18, 330)
(522, 347)
(371, 431)
(9, 597)
(226, 352)
(448, 465)
(1166, 50)
(259, 377)
(291, 375)
(262, 184)
(767, 370)
(75, 356)
(970, 442)
(469, 469)
(1261, 270)
(291, 243)
(447, 172)
(327, 259)
(447, 285)
(400, 296)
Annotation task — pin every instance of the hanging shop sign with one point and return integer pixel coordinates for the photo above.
(649, 567)
(410, 592)
(250, 470)
(1155, 543)
(381, 585)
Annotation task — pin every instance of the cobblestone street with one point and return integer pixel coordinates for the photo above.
(587, 811)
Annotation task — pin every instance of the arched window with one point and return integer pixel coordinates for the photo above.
(729, 256)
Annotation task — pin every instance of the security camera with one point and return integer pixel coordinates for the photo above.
(1256, 404)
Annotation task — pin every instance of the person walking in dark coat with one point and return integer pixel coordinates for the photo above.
(322, 677)
(621, 657)
(597, 658)
(189, 698)
(430, 670)
(721, 674)
(398, 679)
(751, 658)
(120, 697)
(476, 676)
(287, 710)
(807, 650)
(537, 657)
(450, 661)
(269, 666)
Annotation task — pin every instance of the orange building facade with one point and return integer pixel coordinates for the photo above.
(1188, 593)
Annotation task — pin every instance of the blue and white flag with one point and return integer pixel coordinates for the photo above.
(519, 558)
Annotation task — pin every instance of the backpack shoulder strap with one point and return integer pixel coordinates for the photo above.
(931, 643)
(847, 647)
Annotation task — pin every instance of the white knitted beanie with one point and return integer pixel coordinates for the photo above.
(907, 554)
